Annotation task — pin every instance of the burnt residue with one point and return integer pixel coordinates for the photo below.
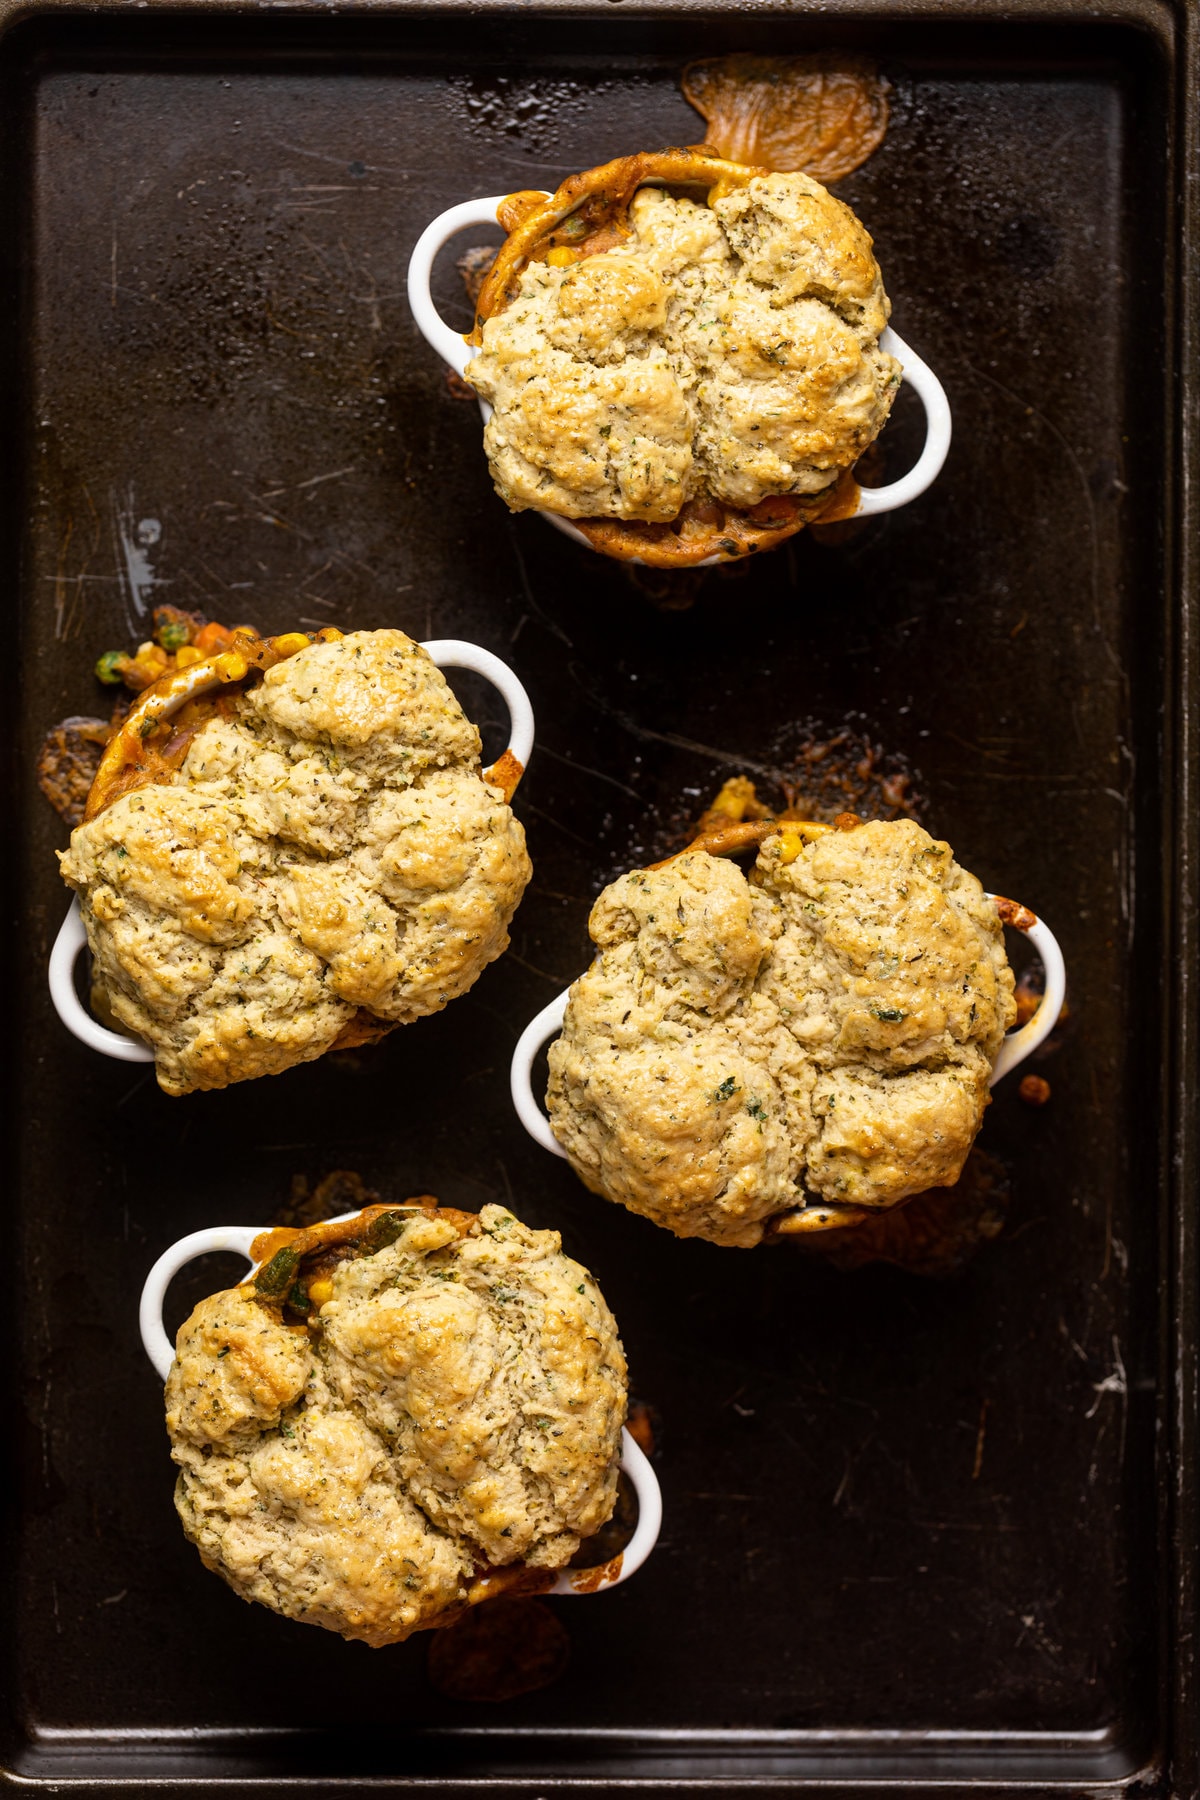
(67, 764)
(934, 1234)
(341, 1191)
(498, 1651)
(473, 266)
(812, 772)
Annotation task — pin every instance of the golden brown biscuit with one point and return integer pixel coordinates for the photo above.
(373, 1429)
(327, 847)
(727, 350)
(822, 1033)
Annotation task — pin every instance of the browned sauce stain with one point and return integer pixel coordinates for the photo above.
(510, 1580)
(590, 1581)
(1034, 1090)
(497, 1652)
(457, 388)
(340, 1191)
(67, 764)
(824, 115)
(932, 1234)
(1014, 914)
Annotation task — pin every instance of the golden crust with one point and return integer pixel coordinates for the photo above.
(588, 212)
(821, 1035)
(322, 859)
(407, 1412)
(683, 381)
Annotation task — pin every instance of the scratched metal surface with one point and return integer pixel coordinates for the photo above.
(907, 1523)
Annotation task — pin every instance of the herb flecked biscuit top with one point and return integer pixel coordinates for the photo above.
(822, 1031)
(730, 349)
(355, 1451)
(328, 845)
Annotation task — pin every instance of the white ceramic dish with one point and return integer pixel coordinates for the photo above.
(1013, 1051)
(447, 653)
(240, 1239)
(453, 348)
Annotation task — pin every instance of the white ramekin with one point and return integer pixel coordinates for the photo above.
(239, 1239)
(447, 653)
(1013, 1051)
(453, 348)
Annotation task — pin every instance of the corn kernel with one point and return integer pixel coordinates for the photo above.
(291, 641)
(560, 257)
(320, 1291)
(230, 666)
(186, 655)
(794, 837)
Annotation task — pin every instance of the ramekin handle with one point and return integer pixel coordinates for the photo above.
(71, 939)
(450, 345)
(538, 1031)
(156, 1343)
(1020, 1044)
(455, 653)
(928, 465)
(636, 1464)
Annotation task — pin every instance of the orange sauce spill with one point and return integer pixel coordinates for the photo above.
(511, 1580)
(311, 1239)
(590, 1581)
(823, 114)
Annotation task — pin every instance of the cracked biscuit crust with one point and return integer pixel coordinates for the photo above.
(730, 349)
(329, 846)
(455, 1402)
(824, 1030)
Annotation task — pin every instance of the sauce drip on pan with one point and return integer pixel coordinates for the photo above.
(823, 114)
(497, 1652)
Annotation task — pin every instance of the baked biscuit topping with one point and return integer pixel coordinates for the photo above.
(822, 1033)
(726, 351)
(399, 1407)
(327, 851)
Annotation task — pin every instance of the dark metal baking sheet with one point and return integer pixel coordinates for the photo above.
(215, 396)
